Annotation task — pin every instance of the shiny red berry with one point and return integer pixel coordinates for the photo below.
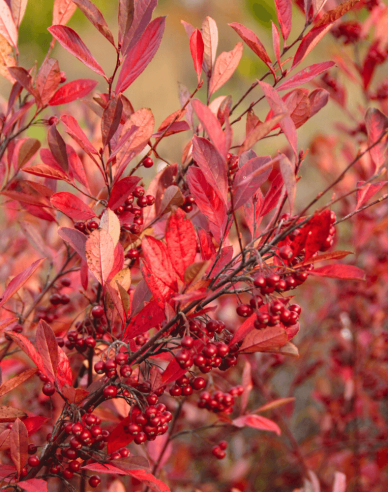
(244, 310)
(48, 389)
(94, 481)
(98, 312)
(148, 162)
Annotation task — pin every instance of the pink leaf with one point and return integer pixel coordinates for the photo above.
(18, 8)
(276, 43)
(318, 99)
(278, 106)
(249, 178)
(75, 238)
(58, 148)
(266, 340)
(62, 11)
(257, 422)
(70, 40)
(72, 91)
(141, 54)
(210, 40)
(72, 206)
(26, 346)
(246, 382)
(99, 252)
(64, 374)
(141, 18)
(48, 348)
(48, 79)
(111, 119)
(339, 482)
(17, 282)
(305, 75)
(212, 126)
(126, 18)
(244, 329)
(345, 272)
(250, 38)
(149, 480)
(224, 67)
(377, 124)
(18, 438)
(365, 192)
(284, 14)
(288, 174)
(310, 40)
(33, 485)
(212, 165)
(8, 28)
(159, 289)
(196, 49)
(156, 451)
(273, 194)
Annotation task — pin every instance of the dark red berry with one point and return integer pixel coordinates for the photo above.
(94, 481)
(109, 391)
(138, 191)
(48, 389)
(148, 162)
(98, 312)
(244, 310)
(33, 461)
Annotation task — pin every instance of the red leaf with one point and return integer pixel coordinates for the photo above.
(160, 291)
(72, 91)
(62, 11)
(244, 329)
(64, 374)
(47, 172)
(250, 38)
(181, 241)
(259, 131)
(257, 422)
(305, 75)
(95, 17)
(345, 272)
(249, 178)
(212, 165)
(75, 131)
(365, 192)
(141, 18)
(278, 106)
(149, 480)
(284, 14)
(310, 40)
(18, 438)
(33, 485)
(26, 346)
(75, 238)
(111, 119)
(8, 28)
(121, 466)
(318, 229)
(272, 196)
(17, 282)
(121, 190)
(207, 200)
(224, 67)
(48, 79)
(16, 381)
(70, 40)
(176, 127)
(246, 382)
(25, 80)
(99, 252)
(72, 206)
(196, 49)
(377, 124)
(252, 210)
(172, 372)
(108, 467)
(267, 340)
(76, 167)
(141, 54)
(119, 437)
(47, 347)
(158, 260)
(6, 470)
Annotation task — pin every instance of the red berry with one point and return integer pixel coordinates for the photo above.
(244, 310)
(223, 445)
(125, 371)
(48, 389)
(95, 430)
(260, 281)
(90, 342)
(98, 312)
(176, 391)
(187, 342)
(140, 438)
(272, 280)
(80, 226)
(134, 229)
(295, 308)
(67, 474)
(99, 367)
(33, 461)
(77, 429)
(198, 383)
(63, 77)
(286, 252)
(65, 281)
(124, 452)
(94, 481)
(74, 465)
(150, 200)
(138, 191)
(142, 202)
(32, 449)
(121, 358)
(109, 391)
(148, 162)
(132, 254)
(52, 120)
(55, 299)
(92, 225)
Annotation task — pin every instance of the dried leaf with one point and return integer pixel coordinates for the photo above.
(18, 438)
(224, 67)
(111, 224)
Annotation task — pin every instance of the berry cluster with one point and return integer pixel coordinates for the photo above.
(147, 425)
(188, 203)
(185, 386)
(219, 402)
(219, 450)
